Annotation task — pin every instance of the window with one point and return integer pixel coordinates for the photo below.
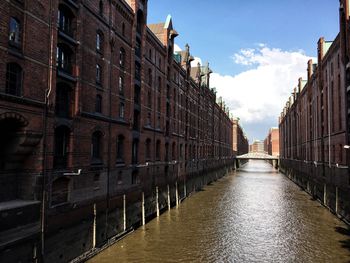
(99, 42)
(121, 85)
(96, 147)
(148, 149)
(135, 151)
(98, 104)
(120, 178)
(149, 120)
(140, 22)
(137, 95)
(64, 22)
(158, 150)
(135, 178)
(120, 148)
(63, 58)
(123, 29)
(62, 101)
(173, 151)
(159, 104)
(61, 146)
(98, 74)
(121, 110)
(138, 48)
(138, 71)
(15, 31)
(167, 152)
(13, 79)
(136, 123)
(100, 6)
(150, 77)
(149, 97)
(122, 58)
(159, 84)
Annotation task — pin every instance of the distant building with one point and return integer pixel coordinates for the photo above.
(240, 143)
(271, 142)
(257, 146)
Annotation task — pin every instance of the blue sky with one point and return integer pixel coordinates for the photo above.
(227, 33)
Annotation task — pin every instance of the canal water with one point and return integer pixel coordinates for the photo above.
(253, 215)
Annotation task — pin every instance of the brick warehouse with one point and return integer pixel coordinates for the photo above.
(271, 142)
(102, 125)
(314, 125)
(240, 140)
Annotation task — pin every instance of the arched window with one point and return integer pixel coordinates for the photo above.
(61, 147)
(158, 150)
(99, 42)
(62, 108)
(64, 58)
(14, 31)
(122, 57)
(96, 147)
(148, 149)
(98, 104)
(14, 79)
(60, 191)
(121, 85)
(65, 18)
(120, 148)
(98, 74)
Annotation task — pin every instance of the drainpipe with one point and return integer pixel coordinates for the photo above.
(45, 121)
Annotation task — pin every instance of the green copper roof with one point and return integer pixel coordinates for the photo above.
(177, 58)
(168, 22)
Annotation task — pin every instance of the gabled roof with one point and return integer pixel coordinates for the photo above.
(156, 29)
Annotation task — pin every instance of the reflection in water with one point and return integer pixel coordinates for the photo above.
(253, 215)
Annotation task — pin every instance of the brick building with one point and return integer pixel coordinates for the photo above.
(240, 143)
(102, 125)
(271, 142)
(313, 125)
(257, 146)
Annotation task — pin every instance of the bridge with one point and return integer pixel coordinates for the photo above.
(273, 160)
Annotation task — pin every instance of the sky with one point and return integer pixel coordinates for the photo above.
(256, 49)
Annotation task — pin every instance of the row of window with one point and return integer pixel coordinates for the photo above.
(62, 137)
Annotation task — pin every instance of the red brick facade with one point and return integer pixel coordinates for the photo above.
(271, 142)
(240, 143)
(96, 107)
(314, 124)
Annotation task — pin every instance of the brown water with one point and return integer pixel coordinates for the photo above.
(253, 215)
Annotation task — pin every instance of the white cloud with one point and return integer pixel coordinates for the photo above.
(260, 93)
(177, 48)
